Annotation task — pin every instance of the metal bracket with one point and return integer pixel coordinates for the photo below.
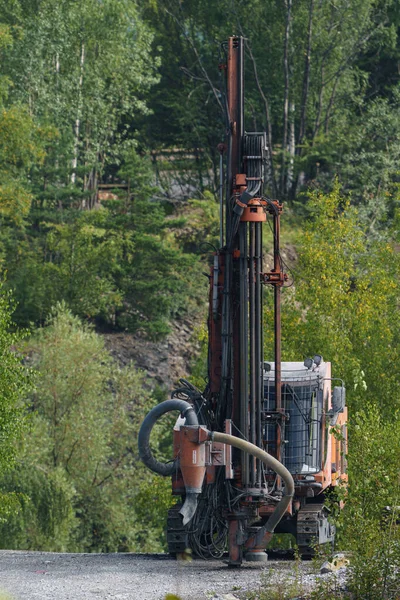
(276, 415)
(274, 278)
(274, 207)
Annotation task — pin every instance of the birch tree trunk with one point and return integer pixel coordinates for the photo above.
(269, 157)
(288, 4)
(57, 69)
(304, 99)
(306, 80)
(292, 148)
(319, 110)
(78, 116)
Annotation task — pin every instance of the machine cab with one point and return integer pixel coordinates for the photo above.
(313, 429)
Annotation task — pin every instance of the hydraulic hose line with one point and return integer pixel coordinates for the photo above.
(186, 410)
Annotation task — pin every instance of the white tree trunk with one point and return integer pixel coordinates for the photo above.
(291, 148)
(57, 67)
(78, 116)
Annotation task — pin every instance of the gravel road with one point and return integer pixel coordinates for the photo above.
(53, 576)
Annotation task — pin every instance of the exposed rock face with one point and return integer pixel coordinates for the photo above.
(166, 361)
(288, 253)
(163, 362)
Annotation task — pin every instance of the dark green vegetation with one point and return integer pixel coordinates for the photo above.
(14, 383)
(125, 93)
(77, 474)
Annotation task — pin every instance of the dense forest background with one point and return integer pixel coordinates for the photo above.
(111, 112)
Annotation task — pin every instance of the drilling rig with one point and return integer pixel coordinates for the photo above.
(254, 453)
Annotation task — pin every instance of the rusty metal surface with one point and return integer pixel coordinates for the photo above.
(277, 278)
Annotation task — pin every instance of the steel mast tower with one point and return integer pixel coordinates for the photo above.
(252, 452)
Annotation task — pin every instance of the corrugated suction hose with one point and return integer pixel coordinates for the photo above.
(168, 469)
(186, 410)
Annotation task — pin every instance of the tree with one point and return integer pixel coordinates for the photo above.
(304, 77)
(368, 525)
(14, 384)
(81, 67)
(369, 171)
(79, 472)
(122, 266)
(344, 303)
(20, 148)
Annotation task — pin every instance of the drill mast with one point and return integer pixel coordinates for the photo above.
(252, 452)
(236, 333)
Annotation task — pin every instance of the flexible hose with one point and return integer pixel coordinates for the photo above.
(186, 410)
(168, 469)
(273, 464)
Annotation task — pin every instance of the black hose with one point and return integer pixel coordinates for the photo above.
(186, 410)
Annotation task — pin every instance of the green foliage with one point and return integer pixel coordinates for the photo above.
(14, 383)
(74, 72)
(154, 284)
(198, 374)
(20, 149)
(330, 52)
(76, 265)
(119, 265)
(370, 529)
(82, 67)
(152, 501)
(6, 41)
(199, 229)
(344, 305)
(369, 172)
(45, 515)
(158, 281)
(285, 588)
(78, 479)
(123, 268)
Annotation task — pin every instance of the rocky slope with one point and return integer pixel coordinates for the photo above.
(166, 361)
(163, 362)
